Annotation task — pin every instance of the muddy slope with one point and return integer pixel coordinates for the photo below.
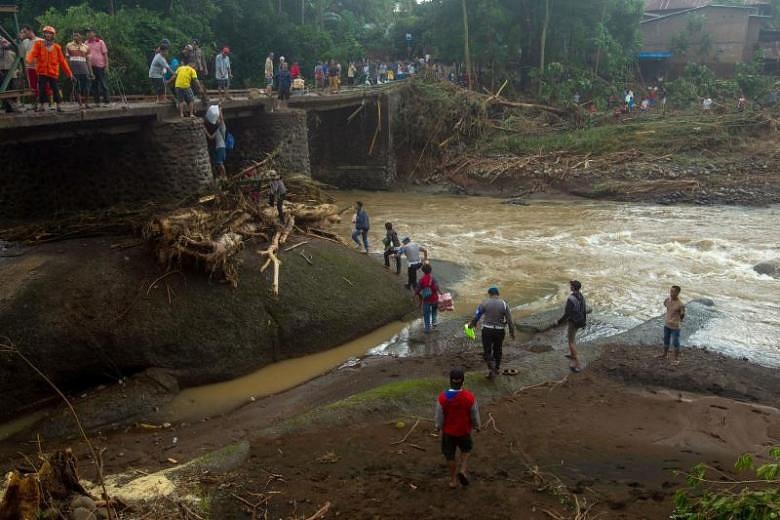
(86, 312)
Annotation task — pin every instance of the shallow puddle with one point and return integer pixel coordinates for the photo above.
(210, 400)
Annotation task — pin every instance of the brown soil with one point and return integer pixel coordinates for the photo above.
(609, 445)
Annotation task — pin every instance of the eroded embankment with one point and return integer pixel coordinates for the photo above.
(85, 312)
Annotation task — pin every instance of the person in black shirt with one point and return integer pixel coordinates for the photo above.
(392, 243)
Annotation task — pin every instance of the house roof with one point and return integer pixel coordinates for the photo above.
(649, 18)
(674, 5)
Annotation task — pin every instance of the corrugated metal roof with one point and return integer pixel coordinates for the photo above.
(673, 5)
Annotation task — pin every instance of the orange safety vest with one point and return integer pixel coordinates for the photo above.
(48, 62)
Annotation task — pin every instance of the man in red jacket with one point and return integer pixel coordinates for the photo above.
(457, 414)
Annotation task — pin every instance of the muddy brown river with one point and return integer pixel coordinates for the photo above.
(626, 255)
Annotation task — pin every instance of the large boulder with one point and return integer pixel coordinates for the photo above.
(769, 268)
(85, 312)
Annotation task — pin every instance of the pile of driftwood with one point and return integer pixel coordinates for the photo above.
(214, 232)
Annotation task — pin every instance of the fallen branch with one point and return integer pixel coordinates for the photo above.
(321, 513)
(308, 260)
(407, 434)
(492, 422)
(299, 244)
(350, 283)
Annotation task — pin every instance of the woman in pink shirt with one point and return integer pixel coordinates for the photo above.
(98, 59)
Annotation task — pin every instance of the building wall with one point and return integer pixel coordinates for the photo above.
(731, 32)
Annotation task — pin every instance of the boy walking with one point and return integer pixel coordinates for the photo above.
(184, 77)
(361, 227)
(675, 314)
(457, 414)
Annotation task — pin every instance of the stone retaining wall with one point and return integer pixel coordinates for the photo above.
(162, 162)
(256, 137)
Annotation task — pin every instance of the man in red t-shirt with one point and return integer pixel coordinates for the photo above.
(457, 414)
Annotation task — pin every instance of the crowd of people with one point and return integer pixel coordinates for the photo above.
(84, 60)
(457, 411)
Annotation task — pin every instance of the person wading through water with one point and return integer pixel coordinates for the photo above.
(574, 314)
(412, 251)
(392, 243)
(496, 316)
(457, 413)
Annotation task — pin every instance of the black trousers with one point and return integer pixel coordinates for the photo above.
(413, 268)
(388, 254)
(100, 86)
(55, 88)
(492, 344)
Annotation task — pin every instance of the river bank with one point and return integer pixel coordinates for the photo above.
(613, 436)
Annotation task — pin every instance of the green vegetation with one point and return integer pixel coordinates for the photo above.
(723, 498)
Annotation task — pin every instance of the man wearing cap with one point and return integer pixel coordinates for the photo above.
(277, 192)
(457, 413)
(412, 251)
(28, 41)
(223, 73)
(217, 131)
(496, 316)
(49, 59)
(98, 60)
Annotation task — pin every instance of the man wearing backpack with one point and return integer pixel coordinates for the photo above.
(496, 317)
(575, 315)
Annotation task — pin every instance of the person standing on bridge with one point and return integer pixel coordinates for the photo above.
(48, 58)
(157, 71)
(200, 65)
(269, 73)
(496, 317)
(351, 72)
(78, 57)
(98, 60)
(295, 70)
(284, 83)
(184, 78)
(223, 73)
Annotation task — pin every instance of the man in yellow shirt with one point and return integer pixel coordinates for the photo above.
(184, 78)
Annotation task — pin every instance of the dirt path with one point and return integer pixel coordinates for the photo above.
(609, 445)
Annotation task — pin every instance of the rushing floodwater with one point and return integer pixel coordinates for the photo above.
(626, 256)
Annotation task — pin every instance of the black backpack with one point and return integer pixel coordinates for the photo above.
(579, 314)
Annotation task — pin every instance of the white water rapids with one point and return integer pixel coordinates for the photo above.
(626, 255)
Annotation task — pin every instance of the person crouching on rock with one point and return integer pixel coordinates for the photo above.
(574, 314)
(392, 243)
(457, 413)
(276, 193)
(496, 316)
(675, 314)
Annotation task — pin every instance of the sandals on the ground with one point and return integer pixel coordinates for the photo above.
(510, 372)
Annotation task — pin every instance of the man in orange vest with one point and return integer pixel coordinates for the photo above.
(48, 58)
